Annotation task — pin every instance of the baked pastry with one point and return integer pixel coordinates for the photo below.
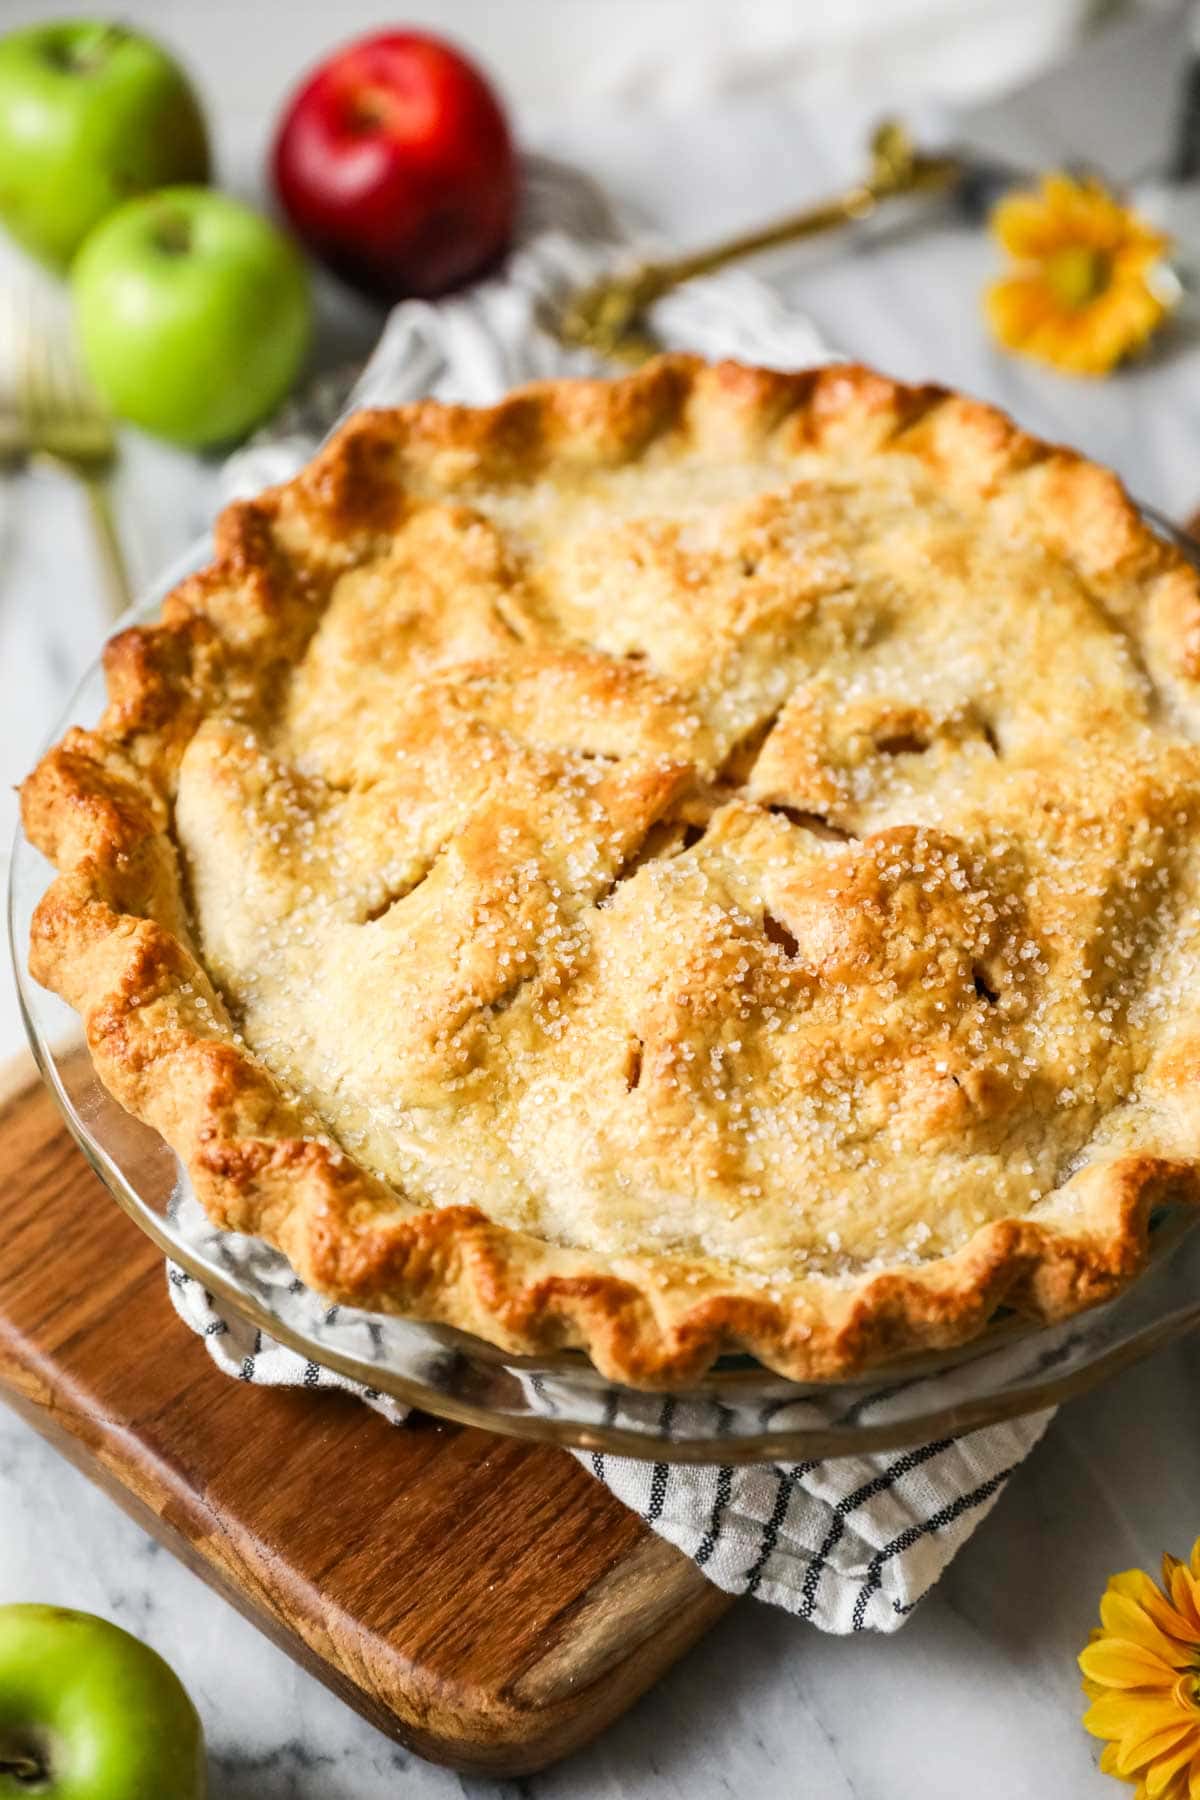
(700, 862)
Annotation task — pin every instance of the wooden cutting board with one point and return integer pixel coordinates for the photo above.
(484, 1601)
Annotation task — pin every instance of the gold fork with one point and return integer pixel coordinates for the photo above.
(50, 413)
(605, 316)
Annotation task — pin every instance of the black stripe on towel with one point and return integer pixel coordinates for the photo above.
(906, 1539)
(611, 1402)
(879, 1484)
(247, 1368)
(721, 1499)
(548, 1403)
(787, 1481)
(661, 1473)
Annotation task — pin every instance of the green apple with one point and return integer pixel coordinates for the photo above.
(89, 1713)
(193, 314)
(90, 114)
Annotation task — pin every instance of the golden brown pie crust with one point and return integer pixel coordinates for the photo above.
(699, 862)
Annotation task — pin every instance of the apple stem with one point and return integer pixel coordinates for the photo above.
(25, 1768)
(81, 59)
(173, 233)
(369, 110)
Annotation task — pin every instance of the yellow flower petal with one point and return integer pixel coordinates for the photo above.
(1131, 1716)
(1125, 1618)
(1138, 254)
(1093, 339)
(1016, 307)
(1131, 312)
(1119, 1664)
(1130, 1759)
(1137, 1586)
(1085, 212)
(1061, 342)
(1024, 227)
(1161, 1777)
(1177, 1579)
(1185, 1604)
(1182, 1583)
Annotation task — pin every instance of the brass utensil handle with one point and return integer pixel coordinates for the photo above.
(114, 571)
(602, 317)
(856, 203)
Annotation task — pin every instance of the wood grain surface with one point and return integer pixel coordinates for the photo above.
(484, 1601)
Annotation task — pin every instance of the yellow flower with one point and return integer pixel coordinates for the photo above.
(1087, 288)
(1141, 1671)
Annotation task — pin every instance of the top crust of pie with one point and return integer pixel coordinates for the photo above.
(698, 862)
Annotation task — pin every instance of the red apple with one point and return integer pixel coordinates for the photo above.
(395, 166)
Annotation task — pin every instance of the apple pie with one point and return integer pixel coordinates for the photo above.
(705, 862)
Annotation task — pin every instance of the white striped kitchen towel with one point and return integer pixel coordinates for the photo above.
(851, 1543)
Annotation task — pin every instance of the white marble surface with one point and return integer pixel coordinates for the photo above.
(979, 1694)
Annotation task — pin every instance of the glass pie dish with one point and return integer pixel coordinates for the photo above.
(740, 1412)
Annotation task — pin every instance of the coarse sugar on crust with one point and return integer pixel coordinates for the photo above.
(704, 861)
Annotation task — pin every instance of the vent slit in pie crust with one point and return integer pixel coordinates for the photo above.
(696, 863)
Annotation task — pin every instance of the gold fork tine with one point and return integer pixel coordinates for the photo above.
(22, 348)
(26, 368)
(8, 346)
(56, 389)
(79, 394)
(13, 436)
(74, 391)
(65, 425)
(39, 391)
(37, 353)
